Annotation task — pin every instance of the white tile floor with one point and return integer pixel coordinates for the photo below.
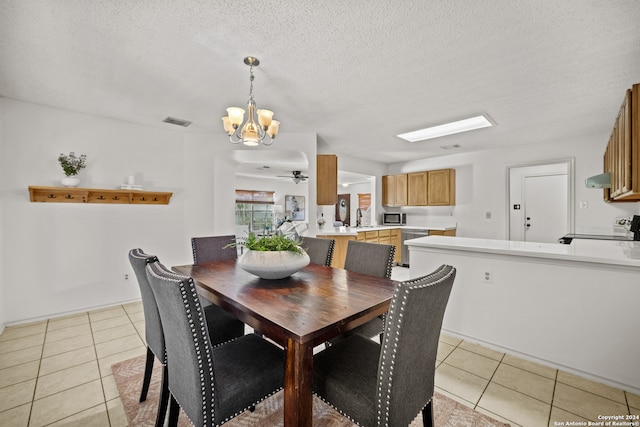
(57, 372)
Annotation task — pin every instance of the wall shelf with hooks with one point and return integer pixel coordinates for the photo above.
(92, 195)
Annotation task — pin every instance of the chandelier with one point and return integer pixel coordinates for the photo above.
(250, 133)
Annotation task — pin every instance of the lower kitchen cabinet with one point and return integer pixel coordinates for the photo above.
(451, 233)
(339, 250)
(389, 237)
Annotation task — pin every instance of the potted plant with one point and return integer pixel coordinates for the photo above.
(271, 257)
(71, 165)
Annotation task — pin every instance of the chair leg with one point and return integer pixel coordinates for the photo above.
(427, 415)
(148, 368)
(164, 397)
(174, 412)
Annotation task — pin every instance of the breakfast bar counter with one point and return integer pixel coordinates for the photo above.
(572, 307)
(606, 252)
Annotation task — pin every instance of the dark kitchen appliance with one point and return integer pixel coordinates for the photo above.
(635, 227)
(568, 238)
(394, 218)
(410, 233)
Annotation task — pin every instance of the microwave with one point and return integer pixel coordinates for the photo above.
(394, 218)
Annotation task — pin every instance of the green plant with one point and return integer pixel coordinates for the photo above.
(71, 164)
(268, 243)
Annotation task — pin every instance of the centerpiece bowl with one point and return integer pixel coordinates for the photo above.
(272, 257)
(273, 264)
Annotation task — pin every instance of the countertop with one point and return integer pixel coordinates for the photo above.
(353, 231)
(623, 253)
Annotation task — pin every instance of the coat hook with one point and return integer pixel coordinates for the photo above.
(101, 197)
(68, 196)
(51, 196)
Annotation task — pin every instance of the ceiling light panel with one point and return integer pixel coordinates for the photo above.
(465, 125)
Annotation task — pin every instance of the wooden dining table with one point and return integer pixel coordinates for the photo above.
(299, 312)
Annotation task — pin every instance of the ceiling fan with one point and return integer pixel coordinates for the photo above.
(297, 176)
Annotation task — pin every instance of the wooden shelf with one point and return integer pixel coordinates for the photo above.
(92, 195)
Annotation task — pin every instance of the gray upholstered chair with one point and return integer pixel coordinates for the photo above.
(373, 259)
(213, 248)
(388, 384)
(225, 327)
(211, 384)
(320, 251)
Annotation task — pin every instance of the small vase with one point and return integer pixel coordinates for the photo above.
(70, 181)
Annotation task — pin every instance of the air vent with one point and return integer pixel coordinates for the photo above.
(450, 147)
(175, 121)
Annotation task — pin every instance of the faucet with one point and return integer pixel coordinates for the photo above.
(358, 217)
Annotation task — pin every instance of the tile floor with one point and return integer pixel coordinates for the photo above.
(57, 372)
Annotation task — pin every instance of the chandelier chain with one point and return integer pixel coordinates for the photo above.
(251, 82)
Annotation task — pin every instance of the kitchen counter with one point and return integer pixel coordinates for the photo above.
(572, 307)
(614, 253)
(353, 231)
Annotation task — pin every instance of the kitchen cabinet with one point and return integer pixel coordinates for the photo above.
(395, 238)
(451, 233)
(622, 155)
(394, 190)
(387, 236)
(327, 179)
(417, 188)
(423, 188)
(441, 187)
(339, 248)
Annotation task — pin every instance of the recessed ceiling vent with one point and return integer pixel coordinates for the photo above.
(175, 121)
(450, 147)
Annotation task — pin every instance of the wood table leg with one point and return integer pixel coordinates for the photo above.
(298, 377)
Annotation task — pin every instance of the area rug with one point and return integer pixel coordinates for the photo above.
(128, 376)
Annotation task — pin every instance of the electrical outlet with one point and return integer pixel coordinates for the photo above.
(487, 276)
(125, 277)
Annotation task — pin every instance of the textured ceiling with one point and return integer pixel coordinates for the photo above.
(355, 72)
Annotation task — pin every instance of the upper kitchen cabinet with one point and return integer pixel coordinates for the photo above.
(417, 188)
(441, 187)
(394, 190)
(327, 179)
(425, 188)
(622, 156)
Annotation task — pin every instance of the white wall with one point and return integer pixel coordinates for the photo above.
(2, 196)
(481, 186)
(72, 257)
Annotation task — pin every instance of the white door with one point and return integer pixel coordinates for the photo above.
(544, 208)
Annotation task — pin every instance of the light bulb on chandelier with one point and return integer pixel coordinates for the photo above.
(250, 133)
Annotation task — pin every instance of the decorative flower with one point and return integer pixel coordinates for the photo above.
(71, 164)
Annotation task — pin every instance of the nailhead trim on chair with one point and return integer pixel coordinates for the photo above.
(392, 252)
(186, 286)
(390, 342)
(332, 245)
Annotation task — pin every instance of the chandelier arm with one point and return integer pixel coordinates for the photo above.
(238, 137)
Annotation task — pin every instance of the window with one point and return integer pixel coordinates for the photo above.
(254, 209)
(364, 201)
